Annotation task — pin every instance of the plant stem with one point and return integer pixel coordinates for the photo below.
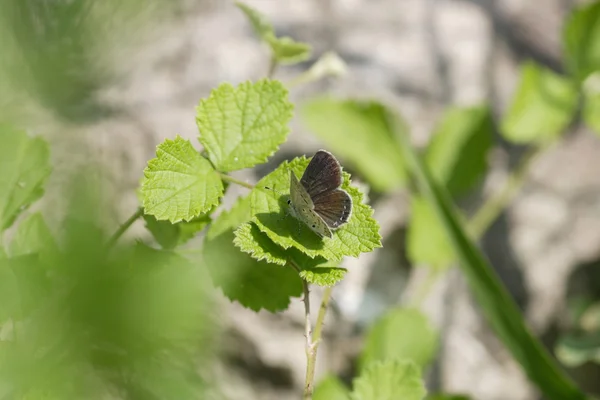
(494, 206)
(228, 178)
(124, 226)
(273, 64)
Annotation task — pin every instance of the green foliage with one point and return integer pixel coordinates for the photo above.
(581, 40)
(401, 334)
(495, 302)
(270, 214)
(169, 235)
(389, 380)
(179, 184)
(542, 107)
(358, 132)
(591, 109)
(254, 284)
(261, 25)
(447, 397)
(426, 240)
(323, 275)
(24, 163)
(243, 126)
(457, 154)
(33, 236)
(582, 344)
(330, 388)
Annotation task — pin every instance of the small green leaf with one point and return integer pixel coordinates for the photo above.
(390, 380)
(179, 184)
(401, 334)
(542, 106)
(330, 388)
(270, 210)
(581, 39)
(575, 350)
(25, 165)
(33, 236)
(427, 241)
(323, 276)
(241, 127)
(254, 284)
(169, 235)
(457, 154)
(261, 25)
(358, 132)
(287, 51)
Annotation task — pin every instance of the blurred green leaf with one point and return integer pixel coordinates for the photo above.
(33, 236)
(357, 131)
(426, 240)
(457, 154)
(261, 25)
(390, 380)
(496, 304)
(243, 126)
(400, 334)
(254, 284)
(542, 106)
(574, 350)
(25, 165)
(169, 235)
(10, 296)
(591, 111)
(331, 388)
(287, 51)
(446, 397)
(589, 320)
(581, 37)
(179, 184)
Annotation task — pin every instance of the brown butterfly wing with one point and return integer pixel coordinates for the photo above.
(322, 175)
(334, 207)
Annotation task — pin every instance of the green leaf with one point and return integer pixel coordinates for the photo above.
(496, 303)
(25, 165)
(169, 235)
(270, 210)
(254, 284)
(287, 51)
(10, 295)
(390, 380)
(575, 350)
(591, 108)
(261, 25)
(427, 240)
(318, 270)
(242, 126)
(33, 236)
(581, 37)
(330, 388)
(358, 132)
(179, 184)
(542, 106)
(401, 334)
(457, 154)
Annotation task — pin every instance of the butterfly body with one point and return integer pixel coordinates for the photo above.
(317, 199)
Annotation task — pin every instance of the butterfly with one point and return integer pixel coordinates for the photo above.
(317, 199)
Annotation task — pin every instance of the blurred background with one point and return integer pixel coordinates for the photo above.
(105, 82)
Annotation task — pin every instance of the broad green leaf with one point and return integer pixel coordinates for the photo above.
(330, 388)
(10, 295)
(542, 106)
(427, 241)
(318, 270)
(254, 284)
(25, 165)
(390, 380)
(287, 51)
(33, 236)
(261, 25)
(358, 132)
(581, 37)
(169, 235)
(496, 304)
(575, 350)
(401, 334)
(243, 126)
(179, 184)
(457, 154)
(270, 214)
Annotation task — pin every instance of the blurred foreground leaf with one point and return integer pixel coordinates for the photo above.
(330, 388)
(390, 380)
(581, 38)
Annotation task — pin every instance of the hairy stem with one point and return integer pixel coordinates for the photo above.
(273, 64)
(124, 226)
(228, 178)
